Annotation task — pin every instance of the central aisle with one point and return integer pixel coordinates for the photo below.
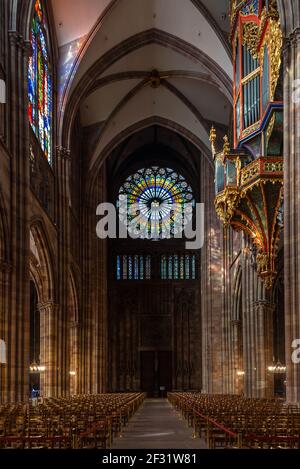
(157, 425)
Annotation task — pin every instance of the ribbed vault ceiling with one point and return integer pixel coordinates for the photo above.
(127, 61)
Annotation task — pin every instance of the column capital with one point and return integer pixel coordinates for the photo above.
(47, 305)
(26, 46)
(236, 322)
(5, 266)
(63, 153)
(16, 39)
(75, 324)
(264, 304)
(294, 37)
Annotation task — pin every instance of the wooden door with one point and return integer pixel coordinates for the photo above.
(148, 373)
(164, 359)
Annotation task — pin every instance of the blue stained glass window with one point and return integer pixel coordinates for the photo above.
(118, 268)
(187, 267)
(136, 267)
(176, 268)
(40, 83)
(163, 267)
(125, 274)
(181, 268)
(141, 267)
(148, 268)
(194, 267)
(130, 268)
(170, 268)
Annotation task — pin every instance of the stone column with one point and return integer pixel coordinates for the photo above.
(74, 361)
(5, 270)
(48, 350)
(237, 379)
(257, 330)
(227, 338)
(95, 292)
(211, 287)
(18, 310)
(290, 20)
(263, 313)
(63, 221)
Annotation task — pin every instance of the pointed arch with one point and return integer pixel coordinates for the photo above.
(41, 264)
(4, 232)
(73, 337)
(71, 102)
(237, 294)
(155, 120)
(289, 12)
(72, 297)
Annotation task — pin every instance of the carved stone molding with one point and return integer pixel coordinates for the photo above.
(265, 304)
(63, 153)
(294, 37)
(236, 322)
(5, 267)
(47, 305)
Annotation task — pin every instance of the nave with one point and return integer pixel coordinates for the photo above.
(183, 420)
(158, 425)
(173, 319)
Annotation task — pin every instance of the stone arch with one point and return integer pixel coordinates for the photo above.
(42, 274)
(155, 120)
(237, 294)
(4, 287)
(20, 17)
(289, 12)
(73, 321)
(41, 265)
(105, 13)
(237, 332)
(153, 36)
(4, 232)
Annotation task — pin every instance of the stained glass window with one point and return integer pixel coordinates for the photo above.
(181, 267)
(194, 267)
(176, 268)
(136, 267)
(118, 268)
(125, 268)
(157, 202)
(170, 268)
(141, 267)
(130, 268)
(187, 267)
(40, 82)
(163, 267)
(148, 268)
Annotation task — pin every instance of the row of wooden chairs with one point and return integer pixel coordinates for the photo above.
(84, 421)
(236, 421)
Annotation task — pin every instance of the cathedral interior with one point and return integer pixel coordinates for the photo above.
(188, 110)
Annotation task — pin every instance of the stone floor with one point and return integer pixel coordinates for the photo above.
(157, 425)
